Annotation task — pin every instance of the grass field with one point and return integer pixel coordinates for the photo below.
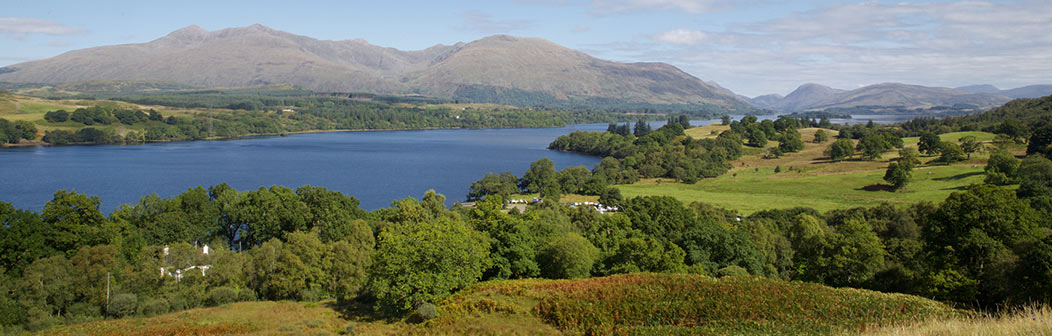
(265, 317)
(32, 109)
(953, 137)
(656, 304)
(809, 179)
(707, 131)
(1026, 321)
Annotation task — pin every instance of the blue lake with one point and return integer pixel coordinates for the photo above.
(375, 167)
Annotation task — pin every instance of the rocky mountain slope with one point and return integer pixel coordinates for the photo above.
(499, 68)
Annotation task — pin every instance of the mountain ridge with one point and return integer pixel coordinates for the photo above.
(1029, 91)
(496, 68)
(816, 97)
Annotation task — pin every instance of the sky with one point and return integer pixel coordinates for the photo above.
(752, 47)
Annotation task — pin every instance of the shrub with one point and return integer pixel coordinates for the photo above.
(84, 309)
(177, 304)
(246, 294)
(221, 295)
(154, 307)
(570, 256)
(733, 271)
(40, 321)
(311, 295)
(697, 269)
(425, 312)
(123, 305)
(349, 329)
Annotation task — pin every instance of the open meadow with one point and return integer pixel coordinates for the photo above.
(809, 179)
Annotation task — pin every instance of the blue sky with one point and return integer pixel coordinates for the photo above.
(752, 47)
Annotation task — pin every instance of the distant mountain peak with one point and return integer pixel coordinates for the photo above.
(816, 97)
(981, 88)
(498, 68)
(191, 29)
(808, 86)
(188, 31)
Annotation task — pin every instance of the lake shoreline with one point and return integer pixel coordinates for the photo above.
(39, 143)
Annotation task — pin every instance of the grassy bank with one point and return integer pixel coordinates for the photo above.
(1024, 321)
(809, 179)
(623, 304)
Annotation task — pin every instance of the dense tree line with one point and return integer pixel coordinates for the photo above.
(1014, 121)
(543, 179)
(873, 141)
(323, 114)
(665, 152)
(15, 131)
(519, 97)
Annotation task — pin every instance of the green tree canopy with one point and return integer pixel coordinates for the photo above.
(425, 262)
(568, 257)
(840, 150)
(898, 175)
(929, 143)
(1002, 168)
(539, 177)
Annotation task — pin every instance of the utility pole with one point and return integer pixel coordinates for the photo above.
(107, 289)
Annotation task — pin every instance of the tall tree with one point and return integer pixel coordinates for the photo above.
(898, 175)
(929, 143)
(74, 221)
(1040, 141)
(424, 262)
(539, 177)
(970, 145)
(840, 150)
(642, 128)
(1002, 168)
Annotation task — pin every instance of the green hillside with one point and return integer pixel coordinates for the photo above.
(808, 179)
(657, 304)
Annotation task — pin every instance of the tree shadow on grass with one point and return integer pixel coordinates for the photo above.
(360, 310)
(827, 160)
(958, 176)
(878, 187)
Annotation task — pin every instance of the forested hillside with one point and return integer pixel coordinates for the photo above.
(1016, 120)
(232, 113)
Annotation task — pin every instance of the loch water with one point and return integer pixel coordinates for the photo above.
(375, 167)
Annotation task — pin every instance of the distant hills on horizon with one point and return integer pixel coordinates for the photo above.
(500, 69)
(817, 97)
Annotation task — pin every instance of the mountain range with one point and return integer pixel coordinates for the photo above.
(497, 69)
(501, 68)
(815, 97)
(1030, 91)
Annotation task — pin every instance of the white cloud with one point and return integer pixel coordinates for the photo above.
(19, 28)
(486, 24)
(580, 29)
(681, 36)
(690, 6)
(846, 45)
